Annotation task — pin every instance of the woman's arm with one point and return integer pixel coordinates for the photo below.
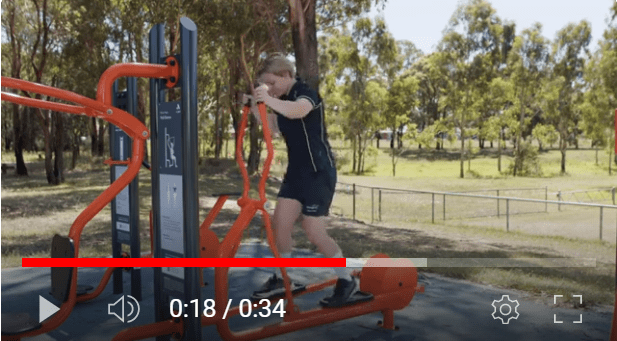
(273, 125)
(272, 121)
(290, 109)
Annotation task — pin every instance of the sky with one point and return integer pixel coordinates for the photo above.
(423, 21)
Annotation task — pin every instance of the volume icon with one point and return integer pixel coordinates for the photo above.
(119, 306)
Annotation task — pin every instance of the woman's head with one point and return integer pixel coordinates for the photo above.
(277, 72)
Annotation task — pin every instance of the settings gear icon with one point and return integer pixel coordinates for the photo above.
(506, 312)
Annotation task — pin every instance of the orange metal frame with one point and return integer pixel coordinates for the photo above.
(389, 293)
(100, 108)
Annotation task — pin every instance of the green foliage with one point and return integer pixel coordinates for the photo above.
(342, 160)
(546, 134)
(529, 162)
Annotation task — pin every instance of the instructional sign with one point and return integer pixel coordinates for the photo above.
(122, 199)
(121, 217)
(170, 178)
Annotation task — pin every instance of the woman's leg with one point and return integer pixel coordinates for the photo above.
(315, 228)
(286, 213)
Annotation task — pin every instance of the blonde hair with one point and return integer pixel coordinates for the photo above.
(277, 64)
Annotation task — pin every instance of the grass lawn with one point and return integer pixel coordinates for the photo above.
(32, 212)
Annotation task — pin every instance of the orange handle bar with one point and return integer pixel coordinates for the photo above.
(239, 142)
(87, 106)
(171, 72)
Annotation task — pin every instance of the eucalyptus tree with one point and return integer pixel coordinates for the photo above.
(36, 30)
(568, 54)
(527, 66)
(401, 100)
(430, 71)
(13, 24)
(608, 61)
(471, 44)
(306, 17)
(357, 55)
(599, 103)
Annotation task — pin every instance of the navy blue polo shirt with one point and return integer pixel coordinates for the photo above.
(306, 138)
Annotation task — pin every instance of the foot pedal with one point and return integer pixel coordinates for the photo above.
(13, 324)
(355, 298)
(278, 293)
(61, 247)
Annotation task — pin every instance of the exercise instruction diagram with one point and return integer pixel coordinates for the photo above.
(170, 155)
(169, 147)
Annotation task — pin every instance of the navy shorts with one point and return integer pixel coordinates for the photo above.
(314, 190)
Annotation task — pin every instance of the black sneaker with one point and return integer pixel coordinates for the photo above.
(343, 291)
(274, 288)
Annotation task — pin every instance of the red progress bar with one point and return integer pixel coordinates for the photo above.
(181, 262)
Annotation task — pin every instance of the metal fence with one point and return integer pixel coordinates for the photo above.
(529, 214)
(594, 195)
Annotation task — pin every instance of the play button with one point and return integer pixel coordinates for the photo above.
(46, 309)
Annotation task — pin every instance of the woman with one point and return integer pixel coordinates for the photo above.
(310, 180)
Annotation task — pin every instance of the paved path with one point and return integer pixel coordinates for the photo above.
(448, 310)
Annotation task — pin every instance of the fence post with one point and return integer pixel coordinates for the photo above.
(497, 204)
(559, 199)
(613, 194)
(379, 204)
(433, 209)
(507, 215)
(444, 207)
(372, 205)
(354, 201)
(546, 198)
(601, 213)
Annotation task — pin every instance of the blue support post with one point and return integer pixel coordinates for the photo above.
(174, 180)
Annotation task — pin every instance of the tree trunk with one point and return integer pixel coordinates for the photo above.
(20, 165)
(353, 143)
(499, 149)
(234, 76)
(360, 156)
(101, 139)
(58, 174)
(304, 36)
(18, 122)
(518, 163)
(75, 150)
(611, 154)
(393, 165)
(94, 137)
(462, 172)
(217, 122)
(562, 147)
(47, 136)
